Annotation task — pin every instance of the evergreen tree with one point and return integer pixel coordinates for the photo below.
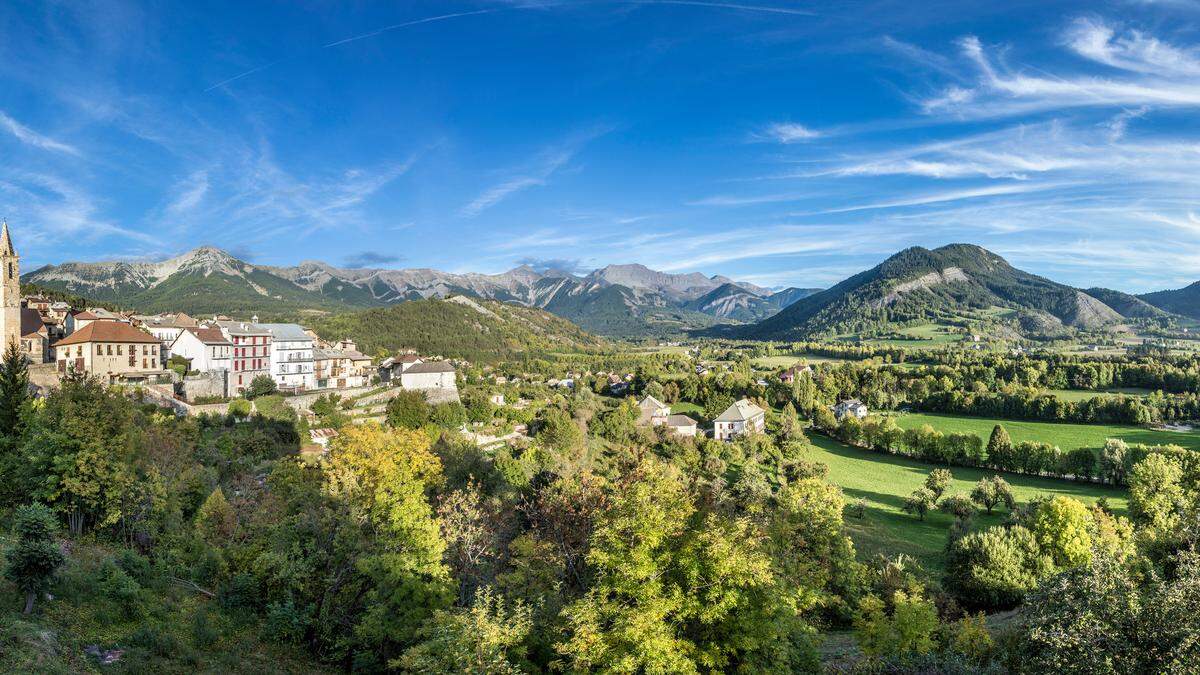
(35, 558)
(999, 445)
(14, 391)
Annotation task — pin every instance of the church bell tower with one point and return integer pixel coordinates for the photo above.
(10, 291)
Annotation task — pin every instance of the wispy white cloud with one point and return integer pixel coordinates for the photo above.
(189, 193)
(1132, 51)
(535, 174)
(30, 137)
(790, 132)
(942, 197)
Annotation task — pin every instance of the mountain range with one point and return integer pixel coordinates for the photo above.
(624, 300)
(961, 285)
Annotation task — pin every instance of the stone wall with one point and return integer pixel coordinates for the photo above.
(215, 383)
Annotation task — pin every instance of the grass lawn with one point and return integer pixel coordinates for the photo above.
(685, 408)
(1080, 395)
(1065, 436)
(883, 481)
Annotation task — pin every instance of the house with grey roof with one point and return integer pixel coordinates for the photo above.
(429, 375)
(743, 417)
(291, 356)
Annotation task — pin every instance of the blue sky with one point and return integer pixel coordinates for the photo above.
(785, 143)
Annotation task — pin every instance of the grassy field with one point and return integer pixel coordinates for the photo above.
(1081, 395)
(883, 481)
(1065, 436)
(780, 362)
(685, 408)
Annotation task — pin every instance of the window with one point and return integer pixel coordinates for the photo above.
(132, 360)
(99, 350)
(110, 350)
(119, 349)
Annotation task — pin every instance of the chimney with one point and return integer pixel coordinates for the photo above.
(254, 319)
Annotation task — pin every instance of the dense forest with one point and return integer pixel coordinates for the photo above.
(476, 330)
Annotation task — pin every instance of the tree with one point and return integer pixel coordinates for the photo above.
(14, 391)
(907, 632)
(408, 410)
(240, 408)
(989, 492)
(937, 481)
(1105, 617)
(1113, 457)
(920, 502)
(1000, 448)
(678, 593)
(482, 639)
(995, 568)
(958, 505)
(263, 385)
(215, 520)
(790, 428)
(560, 433)
(1156, 495)
(36, 557)
(383, 476)
(1063, 528)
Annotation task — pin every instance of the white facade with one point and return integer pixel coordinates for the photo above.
(206, 352)
(433, 375)
(291, 356)
(743, 417)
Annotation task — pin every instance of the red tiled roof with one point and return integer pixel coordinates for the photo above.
(108, 331)
(31, 322)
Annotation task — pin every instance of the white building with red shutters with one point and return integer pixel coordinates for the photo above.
(251, 352)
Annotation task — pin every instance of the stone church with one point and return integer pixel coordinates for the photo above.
(10, 291)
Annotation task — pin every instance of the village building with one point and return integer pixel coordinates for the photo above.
(743, 417)
(206, 349)
(251, 352)
(335, 367)
(680, 424)
(852, 407)
(166, 327)
(111, 350)
(653, 411)
(291, 356)
(431, 375)
(35, 336)
(789, 376)
(392, 367)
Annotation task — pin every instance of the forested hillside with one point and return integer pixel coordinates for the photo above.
(477, 330)
(954, 284)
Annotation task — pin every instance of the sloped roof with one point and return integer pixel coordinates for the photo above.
(431, 367)
(740, 411)
(210, 335)
(31, 322)
(287, 331)
(6, 245)
(680, 421)
(651, 403)
(108, 331)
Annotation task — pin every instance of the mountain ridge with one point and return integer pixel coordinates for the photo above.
(628, 299)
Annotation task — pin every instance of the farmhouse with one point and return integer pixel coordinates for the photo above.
(653, 411)
(743, 417)
(680, 424)
(789, 376)
(852, 407)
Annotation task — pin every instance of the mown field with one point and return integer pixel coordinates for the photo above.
(1083, 395)
(883, 481)
(780, 362)
(1065, 436)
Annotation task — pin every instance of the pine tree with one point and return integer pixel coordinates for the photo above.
(35, 558)
(14, 391)
(999, 445)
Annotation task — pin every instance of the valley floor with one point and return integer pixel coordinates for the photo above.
(883, 481)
